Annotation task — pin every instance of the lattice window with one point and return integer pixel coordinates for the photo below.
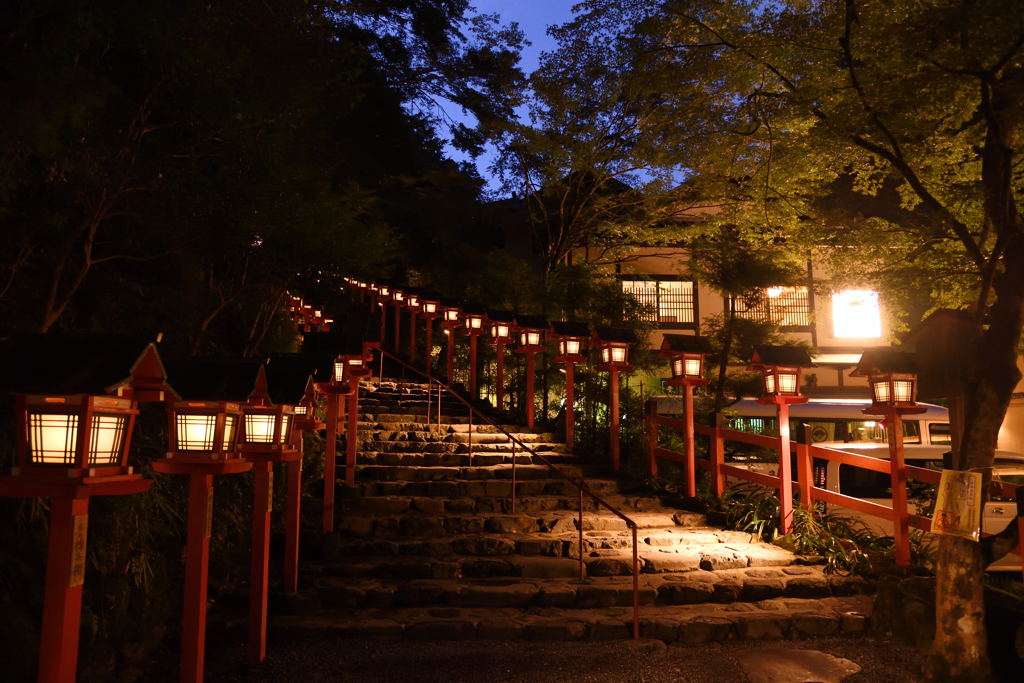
(783, 306)
(669, 301)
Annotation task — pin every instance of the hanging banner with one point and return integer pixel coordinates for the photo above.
(958, 506)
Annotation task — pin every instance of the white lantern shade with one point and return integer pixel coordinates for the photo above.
(52, 438)
(106, 439)
(259, 428)
(571, 347)
(474, 322)
(677, 367)
(693, 366)
(769, 383)
(340, 375)
(301, 410)
(451, 315)
(286, 428)
(195, 432)
(399, 296)
(429, 307)
(618, 354)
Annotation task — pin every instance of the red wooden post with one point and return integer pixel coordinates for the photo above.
(412, 336)
(529, 390)
(330, 454)
(383, 323)
(901, 516)
(62, 604)
(651, 428)
(429, 353)
(785, 468)
(499, 345)
(718, 456)
(262, 504)
(398, 325)
(351, 435)
(613, 405)
(688, 439)
(291, 525)
(570, 417)
(197, 560)
(805, 469)
(472, 367)
(451, 357)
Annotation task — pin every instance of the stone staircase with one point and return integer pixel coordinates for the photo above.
(428, 547)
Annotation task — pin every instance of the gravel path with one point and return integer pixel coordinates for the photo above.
(363, 661)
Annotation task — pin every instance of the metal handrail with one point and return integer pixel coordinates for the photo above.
(513, 440)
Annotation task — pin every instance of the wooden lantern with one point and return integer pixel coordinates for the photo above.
(686, 354)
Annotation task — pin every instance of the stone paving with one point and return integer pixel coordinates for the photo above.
(426, 548)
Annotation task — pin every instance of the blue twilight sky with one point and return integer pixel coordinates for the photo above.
(533, 16)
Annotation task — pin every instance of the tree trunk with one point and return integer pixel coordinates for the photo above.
(723, 363)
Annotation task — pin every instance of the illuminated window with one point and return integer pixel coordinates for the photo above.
(855, 313)
(783, 306)
(259, 427)
(669, 301)
(230, 427)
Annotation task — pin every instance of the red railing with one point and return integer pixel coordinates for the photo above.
(902, 518)
(431, 381)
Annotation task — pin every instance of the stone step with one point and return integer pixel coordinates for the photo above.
(382, 435)
(453, 447)
(443, 497)
(418, 416)
(586, 474)
(441, 524)
(484, 459)
(551, 582)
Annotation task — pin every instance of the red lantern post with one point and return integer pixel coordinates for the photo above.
(780, 368)
(452, 313)
(431, 307)
(572, 348)
(500, 323)
(266, 439)
(531, 329)
(203, 430)
(473, 317)
(892, 376)
(77, 399)
(613, 345)
(412, 303)
(398, 299)
(686, 354)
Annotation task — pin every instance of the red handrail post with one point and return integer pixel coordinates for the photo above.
(330, 455)
(688, 439)
(805, 469)
(470, 433)
(718, 456)
(513, 476)
(651, 427)
(613, 406)
(901, 515)
(636, 589)
(570, 417)
(785, 468)
(451, 357)
(580, 525)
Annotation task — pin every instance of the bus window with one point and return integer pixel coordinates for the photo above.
(938, 433)
(820, 431)
(764, 426)
(861, 483)
(911, 431)
(866, 431)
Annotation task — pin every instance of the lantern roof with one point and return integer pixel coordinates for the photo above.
(878, 362)
(532, 322)
(216, 379)
(684, 343)
(286, 385)
(473, 309)
(615, 335)
(562, 328)
(93, 364)
(432, 297)
(780, 355)
(501, 316)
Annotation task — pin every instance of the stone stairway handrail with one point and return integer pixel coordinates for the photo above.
(578, 484)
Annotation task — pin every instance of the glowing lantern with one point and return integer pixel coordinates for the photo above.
(686, 354)
(892, 376)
